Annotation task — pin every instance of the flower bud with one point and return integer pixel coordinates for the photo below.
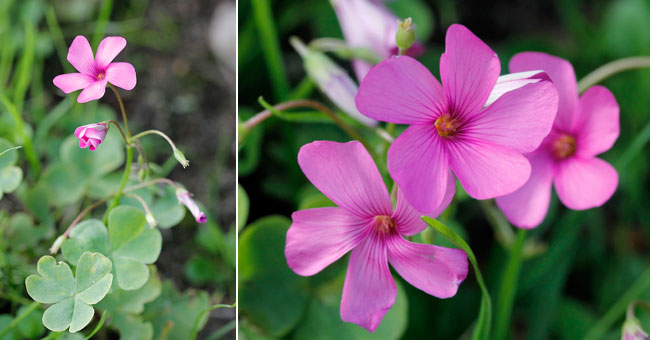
(91, 135)
(57, 244)
(151, 220)
(405, 36)
(180, 157)
(184, 197)
(332, 80)
(632, 330)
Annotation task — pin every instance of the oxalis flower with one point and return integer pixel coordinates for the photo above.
(450, 127)
(366, 224)
(584, 127)
(91, 135)
(185, 198)
(96, 72)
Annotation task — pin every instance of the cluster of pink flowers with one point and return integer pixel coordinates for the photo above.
(507, 137)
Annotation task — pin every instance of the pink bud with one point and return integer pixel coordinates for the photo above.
(185, 198)
(91, 135)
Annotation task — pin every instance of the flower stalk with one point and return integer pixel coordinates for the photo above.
(611, 69)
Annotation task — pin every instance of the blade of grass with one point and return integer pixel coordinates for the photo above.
(57, 37)
(508, 288)
(271, 46)
(33, 159)
(634, 149)
(484, 320)
(23, 74)
(102, 22)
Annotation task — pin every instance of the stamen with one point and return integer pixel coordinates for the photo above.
(384, 224)
(564, 147)
(101, 76)
(446, 125)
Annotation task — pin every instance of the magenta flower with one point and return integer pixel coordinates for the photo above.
(369, 24)
(450, 127)
(91, 135)
(584, 127)
(96, 72)
(366, 224)
(185, 198)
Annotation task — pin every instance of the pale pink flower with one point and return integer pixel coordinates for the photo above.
(366, 224)
(450, 129)
(369, 24)
(584, 127)
(185, 198)
(91, 135)
(96, 72)
(632, 330)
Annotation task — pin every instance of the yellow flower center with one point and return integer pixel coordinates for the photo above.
(384, 224)
(564, 147)
(446, 125)
(101, 76)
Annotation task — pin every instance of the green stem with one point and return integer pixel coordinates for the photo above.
(155, 132)
(634, 149)
(125, 178)
(32, 307)
(126, 121)
(32, 157)
(508, 288)
(618, 309)
(98, 327)
(271, 47)
(119, 128)
(197, 322)
(610, 69)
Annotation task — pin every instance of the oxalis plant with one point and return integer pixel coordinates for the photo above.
(105, 263)
(513, 138)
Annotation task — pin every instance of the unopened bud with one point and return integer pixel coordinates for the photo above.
(57, 244)
(151, 220)
(180, 157)
(405, 36)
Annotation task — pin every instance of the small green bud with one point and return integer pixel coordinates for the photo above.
(142, 174)
(405, 36)
(180, 157)
(57, 244)
(151, 220)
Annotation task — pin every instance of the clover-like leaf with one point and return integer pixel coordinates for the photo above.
(10, 178)
(70, 296)
(129, 243)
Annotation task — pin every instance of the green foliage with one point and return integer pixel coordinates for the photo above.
(10, 175)
(70, 297)
(127, 241)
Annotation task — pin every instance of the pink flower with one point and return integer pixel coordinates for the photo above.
(632, 330)
(366, 224)
(91, 135)
(185, 198)
(450, 127)
(369, 24)
(96, 72)
(584, 127)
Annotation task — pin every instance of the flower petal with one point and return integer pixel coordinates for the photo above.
(469, 70)
(487, 170)
(369, 290)
(346, 174)
(561, 73)
(93, 91)
(513, 81)
(401, 90)
(597, 123)
(108, 49)
(527, 207)
(408, 220)
(418, 163)
(318, 237)
(436, 270)
(80, 55)
(584, 183)
(71, 82)
(519, 120)
(121, 75)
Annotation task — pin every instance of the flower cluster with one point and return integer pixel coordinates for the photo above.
(507, 138)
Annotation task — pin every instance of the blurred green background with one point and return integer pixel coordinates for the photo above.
(577, 264)
(184, 56)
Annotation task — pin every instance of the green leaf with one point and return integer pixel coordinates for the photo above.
(129, 243)
(132, 301)
(10, 178)
(166, 209)
(24, 234)
(70, 297)
(31, 326)
(12, 334)
(10, 149)
(8, 158)
(131, 327)
(242, 207)
(484, 320)
(179, 310)
(271, 296)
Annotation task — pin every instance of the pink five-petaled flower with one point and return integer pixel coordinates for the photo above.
(584, 127)
(450, 129)
(96, 72)
(185, 198)
(91, 135)
(365, 223)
